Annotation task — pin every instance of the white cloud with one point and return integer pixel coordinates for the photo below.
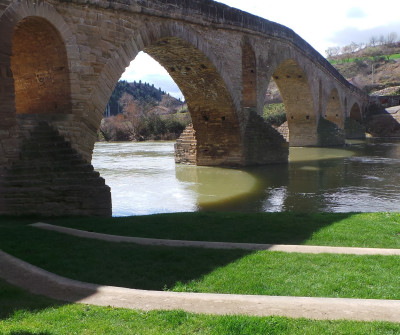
(355, 12)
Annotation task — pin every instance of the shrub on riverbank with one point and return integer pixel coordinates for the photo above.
(143, 127)
(275, 114)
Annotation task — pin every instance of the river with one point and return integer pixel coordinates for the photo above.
(363, 176)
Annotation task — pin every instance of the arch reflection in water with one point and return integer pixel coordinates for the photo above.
(363, 176)
(218, 188)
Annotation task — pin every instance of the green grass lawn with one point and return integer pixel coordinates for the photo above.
(379, 230)
(283, 274)
(26, 314)
(203, 270)
(192, 269)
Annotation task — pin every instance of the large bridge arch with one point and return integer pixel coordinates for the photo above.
(194, 68)
(100, 41)
(29, 66)
(298, 99)
(40, 68)
(40, 171)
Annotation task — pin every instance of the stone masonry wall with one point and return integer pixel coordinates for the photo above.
(51, 178)
(186, 147)
(220, 57)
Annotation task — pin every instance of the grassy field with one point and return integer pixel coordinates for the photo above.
(379, 230)
(277, 273)
(202, 270)
(225, 271)
(26, 314)
(350, 60)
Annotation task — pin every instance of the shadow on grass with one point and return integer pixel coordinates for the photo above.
(106, 263)
(269, 228)
(13, 299)
(147, 267)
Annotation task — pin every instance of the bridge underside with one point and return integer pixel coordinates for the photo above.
(209, 103)
(59, 63)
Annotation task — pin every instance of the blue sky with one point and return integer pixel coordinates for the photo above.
(321, 23)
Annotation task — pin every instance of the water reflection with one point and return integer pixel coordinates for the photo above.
(362, 176)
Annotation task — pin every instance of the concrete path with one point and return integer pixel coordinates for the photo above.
(219, 245)
(39, 281)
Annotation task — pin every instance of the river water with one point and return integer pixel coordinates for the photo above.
(361, 176)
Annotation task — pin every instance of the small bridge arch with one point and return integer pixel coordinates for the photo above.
(334, 112)
(297, 97)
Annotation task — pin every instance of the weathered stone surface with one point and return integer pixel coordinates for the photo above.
(354, 129)
(61, 59)
(186, 147)
(51, 178)
(329, 133)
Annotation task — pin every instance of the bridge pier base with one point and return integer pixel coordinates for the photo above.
(354, 129)
(51, 179)
(329, 134)
(262, 144)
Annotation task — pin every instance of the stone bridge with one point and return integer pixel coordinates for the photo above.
(61, 59)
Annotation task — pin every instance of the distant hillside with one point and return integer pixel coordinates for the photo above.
(144, 95)
(139, 112)
(374, 69)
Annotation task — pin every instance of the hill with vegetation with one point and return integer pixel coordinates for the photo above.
(373, 67)
(138, 111)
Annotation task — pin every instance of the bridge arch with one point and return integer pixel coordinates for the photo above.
(40, 68)
(192, 65)
(354, 127)
(334, 111)
(22, 24)
(297, 97)
(249, 76)
(355, 112)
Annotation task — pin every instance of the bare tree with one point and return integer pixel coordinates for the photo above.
(346, 51)
(391, 38)
(373, 41)
(133, 115)
(353, 47)
(332, 52)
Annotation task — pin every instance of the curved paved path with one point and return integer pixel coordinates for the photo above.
(219, 245)
(39, 281)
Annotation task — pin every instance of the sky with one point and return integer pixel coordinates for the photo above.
(321, 23)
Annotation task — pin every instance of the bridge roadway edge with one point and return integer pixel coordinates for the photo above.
(225, 17)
